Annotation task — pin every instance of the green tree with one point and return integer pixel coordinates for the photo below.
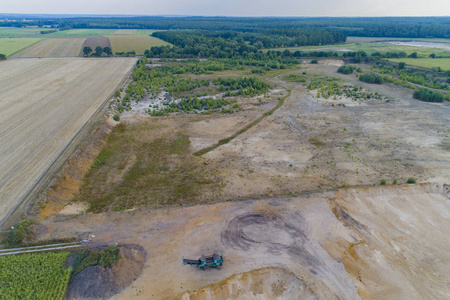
(87, 50)
(98, 50)
(432, 55)
(413, 55)
(107, 51)
(401, 65)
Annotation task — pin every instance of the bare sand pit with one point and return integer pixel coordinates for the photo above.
(380, 242)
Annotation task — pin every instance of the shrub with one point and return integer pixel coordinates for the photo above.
(107, 257)
(395, 181)
(371, 78)
(345, 69)
(411, 181)
(116, 118)
(383, 182)
(428, 95)
(314, 61)
(401, 65)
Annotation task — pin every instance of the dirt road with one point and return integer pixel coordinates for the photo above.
(44, 103)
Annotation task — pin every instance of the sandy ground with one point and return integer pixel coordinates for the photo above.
(53, 47)
(373, 242)
(42, 108)
(393, 250)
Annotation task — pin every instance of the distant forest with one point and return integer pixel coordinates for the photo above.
(408, 27)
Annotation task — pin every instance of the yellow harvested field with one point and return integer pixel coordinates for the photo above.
(139, 43)
(53, 47)
(44, 103)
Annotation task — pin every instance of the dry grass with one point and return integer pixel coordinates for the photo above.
(53, 47)
(139, 43)
(147, 163)
(45, 102)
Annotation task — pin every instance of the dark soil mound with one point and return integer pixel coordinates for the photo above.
(96, 282)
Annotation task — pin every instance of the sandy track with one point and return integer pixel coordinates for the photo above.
(44, 103)
(53, 48)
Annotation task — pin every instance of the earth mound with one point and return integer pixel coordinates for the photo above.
(96, 282)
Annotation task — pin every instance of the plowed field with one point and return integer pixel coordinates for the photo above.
(43, 105)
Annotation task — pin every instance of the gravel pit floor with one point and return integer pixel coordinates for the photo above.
(369, 249)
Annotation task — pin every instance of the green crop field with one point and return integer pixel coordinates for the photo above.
(370, 48)
(363, 39)
(9, 46)
(138, 42)
(82, 33)
(34, 276)
(10, 32)
(444, 63)
(13, 32)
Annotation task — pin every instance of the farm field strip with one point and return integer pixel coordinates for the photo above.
(138, 43)
(42, 108)
(53, 47)
(9, 46)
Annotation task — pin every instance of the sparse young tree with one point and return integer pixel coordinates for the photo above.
(98, 50)
(87, 50)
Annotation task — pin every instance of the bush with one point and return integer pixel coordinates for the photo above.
(345, 69)
(395, 181)
(314, 61)
(116, 118)
(383, 182)
(371, 78)
(428, 95)
(107, 257)
(401, 65)
(20, 233)
(2, 56)
(411, 181)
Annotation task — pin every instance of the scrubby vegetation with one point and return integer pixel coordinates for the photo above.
(346, 69)
(34, 276)
(428, 95)
(330, 87)
(150, 169)
(371, 78)
(106, 257)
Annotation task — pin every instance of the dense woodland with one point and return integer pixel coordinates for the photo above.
(412, 27)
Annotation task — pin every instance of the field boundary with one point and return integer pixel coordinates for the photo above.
(24, 208)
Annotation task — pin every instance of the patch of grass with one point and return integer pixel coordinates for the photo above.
(161, 171)
(9, 46)
(428, 63)
(383, 182)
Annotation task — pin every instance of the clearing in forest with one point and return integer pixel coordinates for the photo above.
(139, 43)
(42, 109)
(53, 48)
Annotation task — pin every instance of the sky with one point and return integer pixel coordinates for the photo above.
(334, 8)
